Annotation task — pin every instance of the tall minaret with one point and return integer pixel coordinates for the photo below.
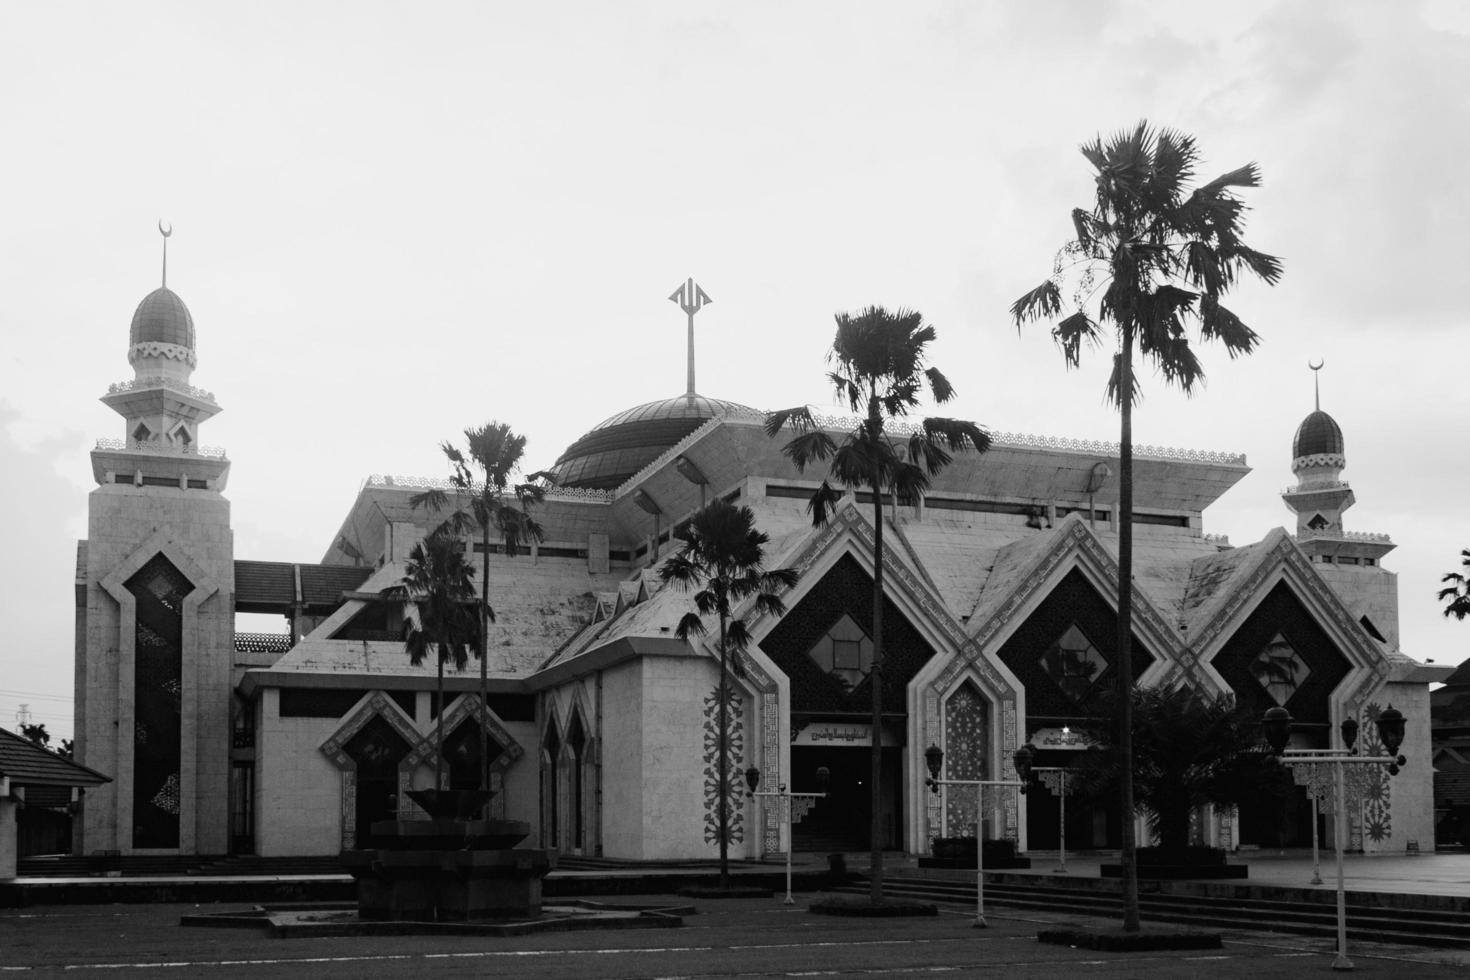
(155, 598)
(1349, 560)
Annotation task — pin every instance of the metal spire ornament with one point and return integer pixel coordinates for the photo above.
(1316, 383)
(165, 229)
(691, 299)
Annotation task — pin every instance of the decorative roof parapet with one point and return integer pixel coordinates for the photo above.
(442, 483)
(1023, 440)
(159, 449)
(1371, 537)
(159, 381)
(263, 642)
(1317, 487)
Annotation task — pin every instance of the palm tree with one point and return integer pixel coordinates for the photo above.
(1456, 595)
(483, 472)
(439, 586)
(879, 371)
(722, 557)
(1161, 255)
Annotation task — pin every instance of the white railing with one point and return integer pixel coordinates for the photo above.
(160, 449)
(159, 381)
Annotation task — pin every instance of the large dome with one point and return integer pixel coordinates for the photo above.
(1317, 435)
(619, 447)
(162, 318)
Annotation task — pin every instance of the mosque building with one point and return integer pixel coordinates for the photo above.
(999, 599)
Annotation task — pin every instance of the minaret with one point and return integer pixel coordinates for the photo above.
(1317, 459)
(1349, 560)
(161, 410)
(155, 597)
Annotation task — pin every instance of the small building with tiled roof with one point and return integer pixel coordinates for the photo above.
(999, 601)
(37, 790)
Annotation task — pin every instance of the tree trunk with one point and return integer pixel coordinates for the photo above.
(724, 762)
(1129, 857)
(439, 721)
(875, 679)
(484, 654)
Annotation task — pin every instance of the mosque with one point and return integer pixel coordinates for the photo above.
(1000, 592)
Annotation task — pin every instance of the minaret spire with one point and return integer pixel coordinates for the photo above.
(691, 298)
(1316, 384)
(165, 229)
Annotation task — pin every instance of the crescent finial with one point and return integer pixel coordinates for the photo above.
(165, 228)
(1317, 366)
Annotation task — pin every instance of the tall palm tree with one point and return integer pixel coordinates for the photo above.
(483, 472)
(439, 586)
(722, 558)
(1456, 595)
(879, 370)
(1157, 257)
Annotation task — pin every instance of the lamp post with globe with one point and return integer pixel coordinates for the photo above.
(1349, 774)
(793, 807)
(934, 759)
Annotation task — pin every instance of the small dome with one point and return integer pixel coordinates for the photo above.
(619, 447)
(162, 318)
(1318, 434)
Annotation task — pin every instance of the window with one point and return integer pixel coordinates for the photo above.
(845, 652)
(1279, 669)
(1074, 663)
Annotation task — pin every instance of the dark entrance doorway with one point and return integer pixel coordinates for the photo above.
(376, 749)
(1092, 824)
(1280, 815)
(843, 821)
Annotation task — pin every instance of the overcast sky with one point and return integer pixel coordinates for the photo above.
(394, 220)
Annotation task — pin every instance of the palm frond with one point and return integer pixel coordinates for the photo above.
(1115, 382)
(809, 447)
(1070, 333)
(434, 500)
(1246, 176)
(1218, 323)
(799, 418)
(1040, 303)
(824, 501)
(690, 624)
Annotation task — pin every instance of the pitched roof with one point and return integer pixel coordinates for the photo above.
(27, 764)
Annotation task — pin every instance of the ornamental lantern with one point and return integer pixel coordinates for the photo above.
(1276, 724)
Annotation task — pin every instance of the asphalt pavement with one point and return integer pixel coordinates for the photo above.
(746, 938)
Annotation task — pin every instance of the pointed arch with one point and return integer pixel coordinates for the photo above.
(388, 719)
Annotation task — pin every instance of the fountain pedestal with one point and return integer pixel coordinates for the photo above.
(448, 868)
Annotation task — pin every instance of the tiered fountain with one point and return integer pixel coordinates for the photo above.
(451, 867)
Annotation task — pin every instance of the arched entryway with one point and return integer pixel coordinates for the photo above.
(375, 750)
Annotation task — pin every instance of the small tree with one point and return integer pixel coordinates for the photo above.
(36, 734)
(722, 558)
(483, 472)
(438, 589)
(1188, 750)
(1456, 594)
(879, 372)
(1161, 255)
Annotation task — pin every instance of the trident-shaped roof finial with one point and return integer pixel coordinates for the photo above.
(691, 298)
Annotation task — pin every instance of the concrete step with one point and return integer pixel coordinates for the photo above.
(1415, 926)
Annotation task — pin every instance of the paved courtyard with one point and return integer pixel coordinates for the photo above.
(734, 939)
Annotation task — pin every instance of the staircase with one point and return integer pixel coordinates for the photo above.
(1420, 926)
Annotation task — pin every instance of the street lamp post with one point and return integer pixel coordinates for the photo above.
(1057, 779)
(1310, 769)
(934, 759)
(794, 806)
